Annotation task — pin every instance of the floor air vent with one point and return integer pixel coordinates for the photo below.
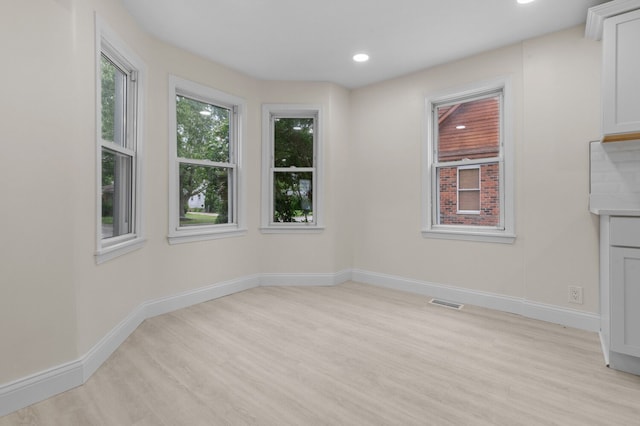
(450, 305)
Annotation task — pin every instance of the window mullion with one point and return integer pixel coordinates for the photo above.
(207, 163)
(469, 162)
(293, 169)
(117, 148)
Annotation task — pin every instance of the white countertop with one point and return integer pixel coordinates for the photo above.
(614, 205)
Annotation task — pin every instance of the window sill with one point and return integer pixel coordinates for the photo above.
(470, 235)
(180, 237)
(292, 229)
(108, 253)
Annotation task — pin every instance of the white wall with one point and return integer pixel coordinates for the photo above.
(56, 303)
(556, 95)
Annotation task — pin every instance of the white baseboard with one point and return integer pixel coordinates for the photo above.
(37, 387)
(329, 279)
(29, 390)
(605, 347)
(43, 385)
(554, 314)
(172, 303)
(102, 350)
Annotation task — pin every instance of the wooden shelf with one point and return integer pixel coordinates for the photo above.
(621, 137)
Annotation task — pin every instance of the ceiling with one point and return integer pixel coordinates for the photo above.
(315, 40)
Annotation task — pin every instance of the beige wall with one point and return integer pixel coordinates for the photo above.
(556, 96)
(56, 303)
(37, 293)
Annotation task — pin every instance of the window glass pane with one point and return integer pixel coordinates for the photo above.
(293, 140)
(293, 198)
(204, 195)
(117, 171)
(469, 130)
(113, 91)
(202, 130)
(469, 200)
(488, 203)
(469, 178)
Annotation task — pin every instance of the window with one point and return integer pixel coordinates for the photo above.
(291, 168)
(205, 134)
(468, 200)
(468, 166)
(119, 142)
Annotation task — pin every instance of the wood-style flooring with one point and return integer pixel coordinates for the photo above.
(346, 355)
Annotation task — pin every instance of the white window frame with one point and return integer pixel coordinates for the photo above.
(109, 43)
(269, 112)
(237, 227)
(458, 189)
(505, 233)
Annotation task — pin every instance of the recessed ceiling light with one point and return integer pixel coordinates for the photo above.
(524, 1)
(205, 113)
(361, 57)
(461, 126)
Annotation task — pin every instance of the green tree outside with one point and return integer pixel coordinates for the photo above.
(203, 134)
(293, 190)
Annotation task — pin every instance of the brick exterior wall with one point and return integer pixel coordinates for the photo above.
(489, 197)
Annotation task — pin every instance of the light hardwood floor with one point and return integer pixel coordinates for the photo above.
(346, 355)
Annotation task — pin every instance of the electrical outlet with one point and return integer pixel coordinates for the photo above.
(575, 294)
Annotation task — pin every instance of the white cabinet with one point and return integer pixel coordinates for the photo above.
(621, 77)
(624, 256)
(625, 300)
(620, 291)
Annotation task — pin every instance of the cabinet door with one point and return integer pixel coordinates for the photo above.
(621, 74)
(625, 300)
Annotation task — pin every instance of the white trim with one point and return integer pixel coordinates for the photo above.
(507, 169)
(597, 15)
(298, 228)
(292, 110)
(549, 313)
(286, 280)
(470, 235)
(105, 251)
(116, 250)
(605, 348)
(624, 362)
(197, 234)
(102, 350)
(37, 387)
(185, 299)
(605, 286)
(238, 107)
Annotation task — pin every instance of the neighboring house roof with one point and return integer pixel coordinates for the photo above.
(481, 136)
